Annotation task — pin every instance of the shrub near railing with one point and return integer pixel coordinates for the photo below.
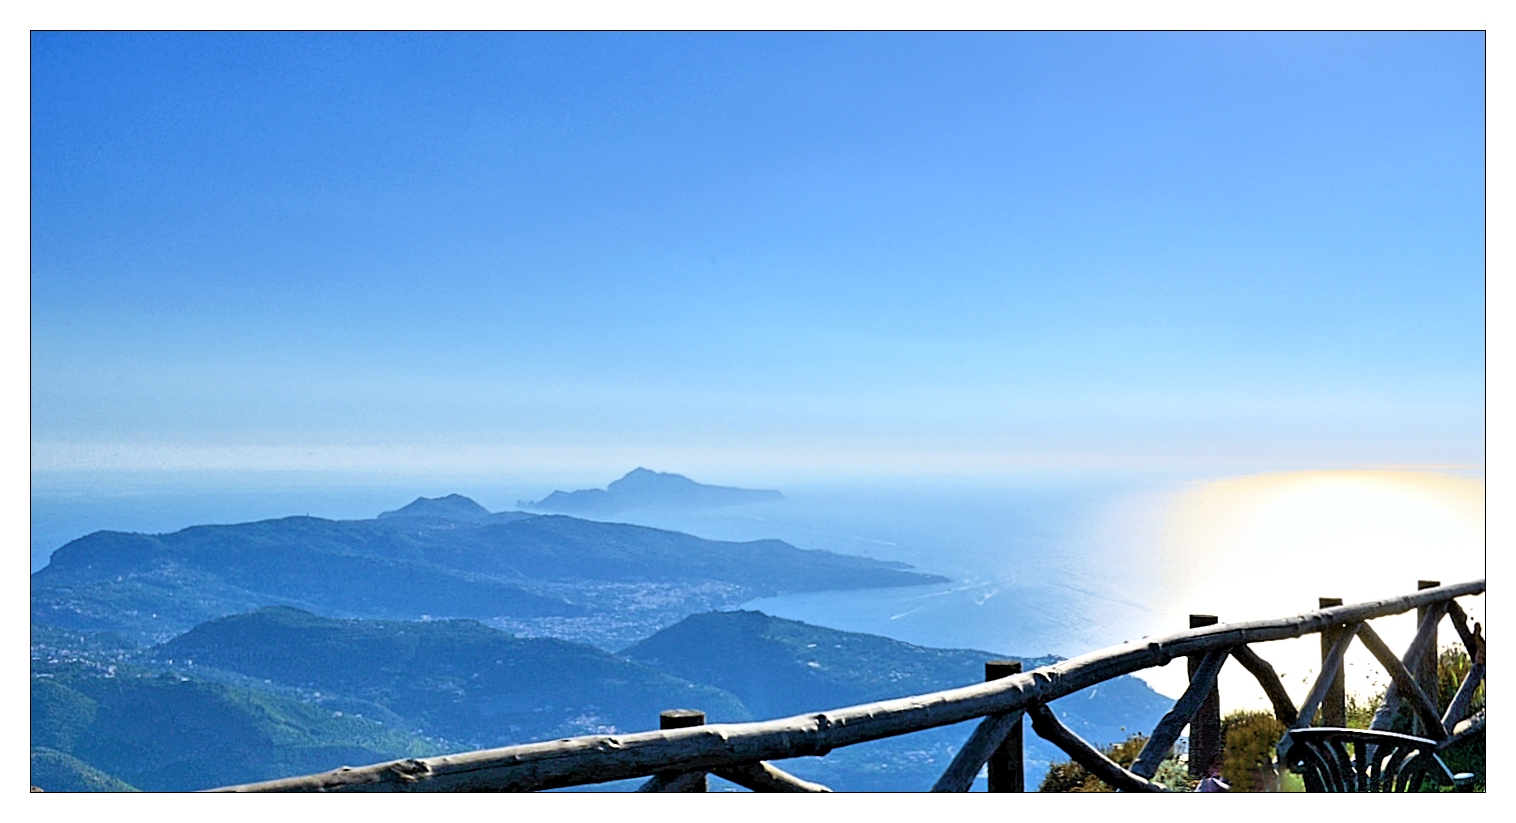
(1248, 758)
(1072, 777)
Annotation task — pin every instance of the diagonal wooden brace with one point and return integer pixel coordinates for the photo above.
(1048, 728)
(1464, 696)
(1405, 682)
(975, 752)
(1284, 710)
(1384, 716)
(1460, 620)
(1329, 666)
(1173, 723)
(765, 777)
(674, 782)
(1464, 729)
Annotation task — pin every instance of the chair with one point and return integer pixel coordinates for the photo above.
(1358, 760)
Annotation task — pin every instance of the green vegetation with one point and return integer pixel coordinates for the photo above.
(1361, 709)
(1248, 762)
(169, 732)
(60, 715)
(1452, 665)
(1067, 776)
(54, 771)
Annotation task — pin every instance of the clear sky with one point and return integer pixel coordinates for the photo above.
(772, 253)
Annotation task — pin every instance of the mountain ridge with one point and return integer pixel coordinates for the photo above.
(525, 568)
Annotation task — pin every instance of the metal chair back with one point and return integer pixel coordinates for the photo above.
(1358, 760)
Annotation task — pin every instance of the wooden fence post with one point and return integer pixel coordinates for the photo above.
(1007, 772)
(1205, 726)
(1425, 669)
(1334, 707)
(683, 719)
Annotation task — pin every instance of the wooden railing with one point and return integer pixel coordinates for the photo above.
(684, 750)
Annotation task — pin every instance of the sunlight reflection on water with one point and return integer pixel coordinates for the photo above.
(1270, 545)
(1070, 571)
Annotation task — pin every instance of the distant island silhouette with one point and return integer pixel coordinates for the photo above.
(452, 507)
(643, 488)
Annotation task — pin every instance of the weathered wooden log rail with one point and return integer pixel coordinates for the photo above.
(685, 749)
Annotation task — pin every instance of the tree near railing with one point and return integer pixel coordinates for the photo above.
(679, 755)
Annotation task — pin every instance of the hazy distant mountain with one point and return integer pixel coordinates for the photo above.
(524, 567)
(452, 507)
(641, 488)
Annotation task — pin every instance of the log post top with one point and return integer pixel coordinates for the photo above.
(997, 669)
(680, 718)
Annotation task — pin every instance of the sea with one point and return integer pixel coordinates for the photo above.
(1033, 566)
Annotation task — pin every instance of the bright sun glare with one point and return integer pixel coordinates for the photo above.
(1270, 545)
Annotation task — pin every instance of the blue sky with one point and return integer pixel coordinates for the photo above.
(854, 253)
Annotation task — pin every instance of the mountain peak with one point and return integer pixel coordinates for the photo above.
(451, 507)
(640, 478)
(645, 488)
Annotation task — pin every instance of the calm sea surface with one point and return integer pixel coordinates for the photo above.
(1031, 570)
